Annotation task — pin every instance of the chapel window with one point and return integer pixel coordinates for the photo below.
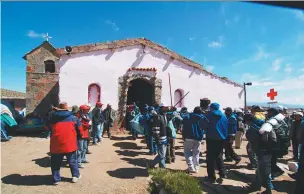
(178, 95)
(49, 66)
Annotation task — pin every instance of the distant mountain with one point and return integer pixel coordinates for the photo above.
(293, 106)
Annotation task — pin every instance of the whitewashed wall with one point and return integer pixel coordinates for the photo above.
(78, 71)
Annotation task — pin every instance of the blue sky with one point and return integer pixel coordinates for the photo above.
(241, 41)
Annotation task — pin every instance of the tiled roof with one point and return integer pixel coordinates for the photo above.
(10, 94)
(146, 43)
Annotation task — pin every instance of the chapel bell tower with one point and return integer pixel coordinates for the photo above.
(42, 76)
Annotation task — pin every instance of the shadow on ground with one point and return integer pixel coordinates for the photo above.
(45, 162)
(128, 173)
(29, 180)
(127, 145)
(116, 138)
(130, 153)
(136, 161)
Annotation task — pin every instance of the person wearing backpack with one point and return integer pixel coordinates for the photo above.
(171, 132)
(195, 125)
(261, 144)
(158, 124)
(277, 124)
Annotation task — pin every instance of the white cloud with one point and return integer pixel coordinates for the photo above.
(209, 68)
(276, 64)
(34, 34)
(299, 14)
(261, 54)
(217, 43)
(258, 55)
(192, 38)
(288, 68)
(113, 24)
(290, 90)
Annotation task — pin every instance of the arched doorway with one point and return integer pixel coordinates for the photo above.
(93, 94)
(141, 92)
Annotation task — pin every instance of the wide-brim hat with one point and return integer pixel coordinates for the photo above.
(63, 106)
(299, 113)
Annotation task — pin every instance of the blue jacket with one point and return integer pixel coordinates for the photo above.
(232, 125)
(194, 126)
(218, 124)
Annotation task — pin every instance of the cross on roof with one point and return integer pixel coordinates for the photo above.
(272, 94)
(47, 37)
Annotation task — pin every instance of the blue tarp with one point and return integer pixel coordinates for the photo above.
(137, 124)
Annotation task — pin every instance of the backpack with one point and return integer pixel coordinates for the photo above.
(279, 136)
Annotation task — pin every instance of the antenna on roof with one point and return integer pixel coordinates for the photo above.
(47, 37)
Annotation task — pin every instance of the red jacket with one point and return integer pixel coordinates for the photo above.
(85, 124)
(65, 129)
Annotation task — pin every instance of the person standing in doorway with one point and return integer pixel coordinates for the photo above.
(65, 130)
(216, 135)
(194, 127)
(97, 121)
(109, 119)
(230, 155)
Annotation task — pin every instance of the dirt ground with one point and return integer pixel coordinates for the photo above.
(116, 166)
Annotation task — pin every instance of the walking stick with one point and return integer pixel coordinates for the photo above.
(181, 99)
(170, 88)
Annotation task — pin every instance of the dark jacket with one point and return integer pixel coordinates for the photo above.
(98, 117)
(295, 129)
(232, 125)
(194, 126)
(301, 139)
(259, 142)
(108, 116)
(158, 124)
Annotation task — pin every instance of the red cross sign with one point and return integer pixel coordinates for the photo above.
(272, 94)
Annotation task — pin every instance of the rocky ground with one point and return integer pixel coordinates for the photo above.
(116, 166)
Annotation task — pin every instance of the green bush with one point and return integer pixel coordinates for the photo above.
(173, 182)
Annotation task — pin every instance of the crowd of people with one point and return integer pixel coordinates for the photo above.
(269, 133)
(70, 133)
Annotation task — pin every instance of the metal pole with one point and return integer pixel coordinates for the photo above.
(245, 100)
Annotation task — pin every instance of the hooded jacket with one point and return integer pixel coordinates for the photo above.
(65, 129)
(194, 126)
(218, 123)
